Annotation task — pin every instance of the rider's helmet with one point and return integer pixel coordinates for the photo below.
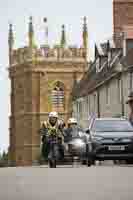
(53, 115)
(72, 121)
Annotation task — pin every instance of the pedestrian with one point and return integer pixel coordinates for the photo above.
(130, 103)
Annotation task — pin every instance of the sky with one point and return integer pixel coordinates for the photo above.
(68, 12)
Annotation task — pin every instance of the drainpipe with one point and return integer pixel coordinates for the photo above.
(120, 72)
(122, 96)
(98, 104)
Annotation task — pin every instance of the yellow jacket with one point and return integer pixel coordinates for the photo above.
(52, 130)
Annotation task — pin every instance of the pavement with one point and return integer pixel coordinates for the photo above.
(108, 181)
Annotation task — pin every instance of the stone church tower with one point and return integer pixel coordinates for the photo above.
(41, 81)
(122, 19)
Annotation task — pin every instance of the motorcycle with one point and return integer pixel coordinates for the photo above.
(52, 150)
(78, 147)
(55, 150)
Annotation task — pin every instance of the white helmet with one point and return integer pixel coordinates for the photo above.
(72, 121)
(53, 114)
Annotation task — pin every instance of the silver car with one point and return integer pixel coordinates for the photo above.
(111, 139)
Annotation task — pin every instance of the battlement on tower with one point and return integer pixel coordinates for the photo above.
(46, 53)
(60, 52)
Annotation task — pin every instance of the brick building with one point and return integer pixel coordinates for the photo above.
(122, 18)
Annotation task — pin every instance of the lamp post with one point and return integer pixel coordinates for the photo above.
(119, 69)
(122, 97)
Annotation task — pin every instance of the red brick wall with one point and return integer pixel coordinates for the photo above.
(122, 14)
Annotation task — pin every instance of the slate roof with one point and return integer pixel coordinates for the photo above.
(93, 79)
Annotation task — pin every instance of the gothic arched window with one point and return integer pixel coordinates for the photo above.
(58, 97)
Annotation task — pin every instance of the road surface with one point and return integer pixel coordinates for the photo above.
(79, 183)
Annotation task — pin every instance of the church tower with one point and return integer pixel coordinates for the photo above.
(122, 18)
(41, 81)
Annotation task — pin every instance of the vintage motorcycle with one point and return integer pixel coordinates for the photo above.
(52, 149)
(78, 147)
(54, 153)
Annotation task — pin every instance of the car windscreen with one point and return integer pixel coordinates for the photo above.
(112, 126)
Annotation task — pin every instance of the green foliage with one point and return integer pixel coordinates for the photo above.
(3, 159)
(5, 156)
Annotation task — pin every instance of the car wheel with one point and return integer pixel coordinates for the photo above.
(130, 161)
(89, 163)
(93, 162)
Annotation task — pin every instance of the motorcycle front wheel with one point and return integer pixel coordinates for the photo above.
(52, 163)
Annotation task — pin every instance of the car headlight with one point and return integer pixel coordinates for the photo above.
(127, 140)
(97, 138)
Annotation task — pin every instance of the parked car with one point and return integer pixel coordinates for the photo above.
(111, 139)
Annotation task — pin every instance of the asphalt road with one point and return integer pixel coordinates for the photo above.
(79, 183)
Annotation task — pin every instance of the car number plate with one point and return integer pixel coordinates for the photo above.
(114, 148)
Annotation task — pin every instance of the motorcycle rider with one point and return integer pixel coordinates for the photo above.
(72, 123)
(73, 130)
(53, 126)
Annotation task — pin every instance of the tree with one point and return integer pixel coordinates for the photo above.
(4, 159)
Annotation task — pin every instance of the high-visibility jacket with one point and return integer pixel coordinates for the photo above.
(50, 130)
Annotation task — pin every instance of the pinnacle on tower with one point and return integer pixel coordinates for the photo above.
(63, 37)
(31, 34)
(10, 43)
(46, 30)
(10, 37)
(85, 34)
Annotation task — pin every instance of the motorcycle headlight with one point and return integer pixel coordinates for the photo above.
(80, 133)
(78, 143)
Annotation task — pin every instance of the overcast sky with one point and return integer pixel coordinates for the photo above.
(68, 12)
